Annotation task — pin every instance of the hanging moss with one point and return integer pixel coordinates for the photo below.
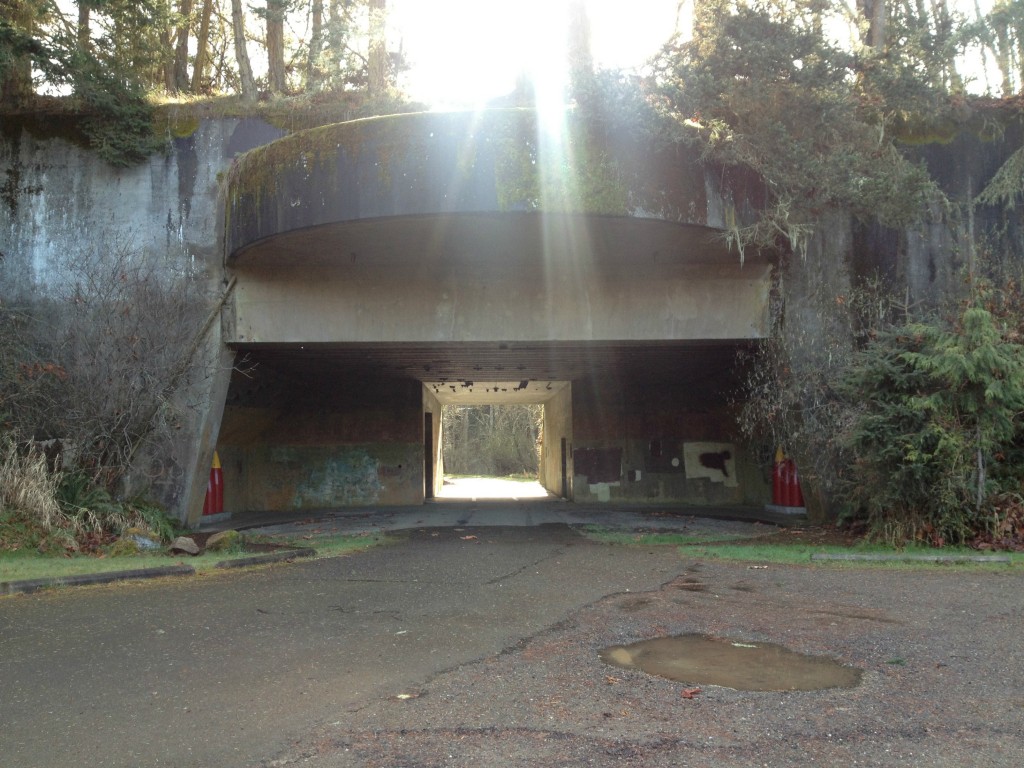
(1007, 186)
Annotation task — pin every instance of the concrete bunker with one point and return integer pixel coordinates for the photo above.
(383, 268)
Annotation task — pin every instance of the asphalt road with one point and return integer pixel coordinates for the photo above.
(478, 646)
(230, 670)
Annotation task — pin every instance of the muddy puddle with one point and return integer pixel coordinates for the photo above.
(703, 660)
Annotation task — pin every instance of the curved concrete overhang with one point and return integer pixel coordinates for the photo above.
(422, 166)
(482, 247)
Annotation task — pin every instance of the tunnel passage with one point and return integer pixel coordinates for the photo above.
(384, 268)
(309, 427)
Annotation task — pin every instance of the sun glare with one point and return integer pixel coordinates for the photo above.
(467, 53)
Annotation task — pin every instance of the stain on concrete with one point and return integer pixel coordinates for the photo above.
(341, 480)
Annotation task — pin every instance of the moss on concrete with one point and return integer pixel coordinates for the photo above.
(583, 170)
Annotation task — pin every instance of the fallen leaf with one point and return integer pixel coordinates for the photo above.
(689, 693)
(611, 680)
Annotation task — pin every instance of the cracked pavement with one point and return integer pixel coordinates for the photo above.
(478, 647)
(231, 669)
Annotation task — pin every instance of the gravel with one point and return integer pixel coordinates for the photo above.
(942, 685)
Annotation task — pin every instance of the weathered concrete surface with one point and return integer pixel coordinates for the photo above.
(230, 669)
(505, 279)
(59, 196)
(320, 442)
(469, 227)
(495, 639)
(472, 250)
(59, 201)
(491, 161)
(443, 247)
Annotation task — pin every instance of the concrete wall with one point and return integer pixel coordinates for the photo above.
(55, 196)
(57, 199)
(58, 195)
(320, 442)
(653, 442)
(557, 428)
(443, 298)
(435, 455)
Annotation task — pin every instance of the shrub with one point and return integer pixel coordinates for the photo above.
(58, 513)
(937, 412)
(26, 484)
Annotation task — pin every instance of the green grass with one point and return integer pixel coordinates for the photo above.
(800, 554)
(727, 547)
(16, 566)
(607, 536)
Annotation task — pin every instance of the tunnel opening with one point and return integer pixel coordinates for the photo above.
(492, 451)
(497, 440)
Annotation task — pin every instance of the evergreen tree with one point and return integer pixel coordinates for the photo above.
(938, 411)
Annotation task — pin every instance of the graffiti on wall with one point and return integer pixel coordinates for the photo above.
(349, 479)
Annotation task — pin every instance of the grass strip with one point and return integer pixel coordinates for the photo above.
(608, 536)
(30, 565)
(34, 585)
(271, 557)
(860, 556)
(741, 548)
(908, 558)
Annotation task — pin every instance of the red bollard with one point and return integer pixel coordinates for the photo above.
(217, 481)
(796, 494)
(792, 495)
(213, 504)
(777, 478)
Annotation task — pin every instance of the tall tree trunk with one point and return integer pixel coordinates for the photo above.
(247, 82)
(337, 34)
(943, 35)
(581, 58)
(202, 48)
(83, 33)
(377, 61)
(275, 46)
(181, 46)
(316, 43)
(167, 58)
(996, 35)
(875, 13)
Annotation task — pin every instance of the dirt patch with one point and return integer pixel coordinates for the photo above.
(253, 547)
(818, 536)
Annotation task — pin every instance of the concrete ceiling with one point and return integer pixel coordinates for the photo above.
(474, 392)
(482, 373)
(491, 241)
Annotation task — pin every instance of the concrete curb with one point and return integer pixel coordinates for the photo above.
(912, 558)
(272, 557)
(25, 586)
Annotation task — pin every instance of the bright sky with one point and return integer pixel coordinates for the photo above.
(464, 52)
